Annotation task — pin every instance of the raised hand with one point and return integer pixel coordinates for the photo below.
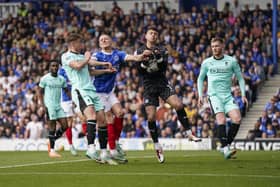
(87, 55)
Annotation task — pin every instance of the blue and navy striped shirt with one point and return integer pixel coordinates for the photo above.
(105, 83)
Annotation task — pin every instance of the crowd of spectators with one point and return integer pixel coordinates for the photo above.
(36, 36)
(268, 124)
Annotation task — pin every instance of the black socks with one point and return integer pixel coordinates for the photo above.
(102, 136)
(234, 127)
(182, 116)
(52, 138)
(153, 130)
(91, 128)
(222, 134)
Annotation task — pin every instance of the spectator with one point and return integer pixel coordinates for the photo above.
(128, 127)
(33, 129)
(254, 83)
(238, 100)
(267, 64)
(162, 9)
(264, 120)
(256, 132)
(236, 8)
(271, 105)
(276, 127)
(116, 9)
(22, 10)
(269, 132)
(139, 130)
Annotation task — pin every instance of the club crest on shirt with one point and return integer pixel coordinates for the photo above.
(226, 63)
(116, 58)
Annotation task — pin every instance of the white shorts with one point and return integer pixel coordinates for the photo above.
(67, 106)
(108, 100)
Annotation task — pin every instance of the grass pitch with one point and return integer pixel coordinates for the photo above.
(182, 168)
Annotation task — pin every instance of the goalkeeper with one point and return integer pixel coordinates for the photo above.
(156, 85)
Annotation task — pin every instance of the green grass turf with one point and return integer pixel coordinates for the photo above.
(182, 168)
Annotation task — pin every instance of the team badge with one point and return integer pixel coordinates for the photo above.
(116, 58)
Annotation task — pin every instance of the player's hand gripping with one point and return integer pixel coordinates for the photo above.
(107, 65)
(87, 56)
(145, 55)
(110, 70)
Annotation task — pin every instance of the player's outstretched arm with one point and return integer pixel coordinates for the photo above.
(94, 62)
(96, 72)
(138, 58)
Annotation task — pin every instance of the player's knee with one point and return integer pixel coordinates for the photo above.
(221, 120)
(179, 106)
(151, 118)
(51, 128)
(100, 118)
(236, 119)
(64, 128)
(151, 113)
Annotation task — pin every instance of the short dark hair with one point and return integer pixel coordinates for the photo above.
(49, 64)
(73, 37)
(152, 28)
(54, 61)
(217, 39)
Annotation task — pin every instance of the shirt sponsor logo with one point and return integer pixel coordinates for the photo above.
(54, 85)
(219, 70)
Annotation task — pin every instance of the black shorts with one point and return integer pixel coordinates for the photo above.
(153, 92)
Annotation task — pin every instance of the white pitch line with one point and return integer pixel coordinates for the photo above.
(140, 173)
(42, 163)
(73, 161)
(61, 162)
